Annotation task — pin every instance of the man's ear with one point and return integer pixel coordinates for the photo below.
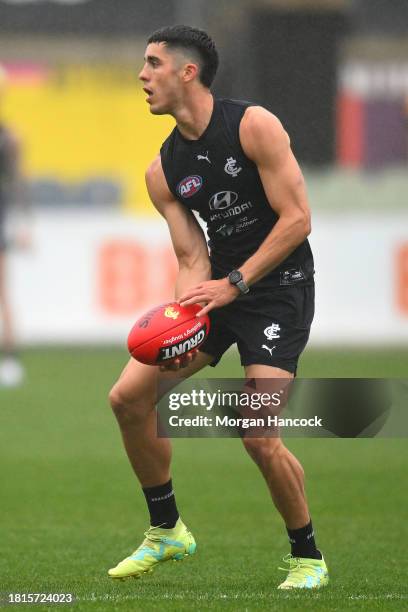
(190, 71)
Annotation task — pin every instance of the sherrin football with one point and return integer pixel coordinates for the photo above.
(167, 332)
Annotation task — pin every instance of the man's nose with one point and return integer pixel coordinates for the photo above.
(142, 74)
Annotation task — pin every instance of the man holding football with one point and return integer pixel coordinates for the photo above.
(254, 278)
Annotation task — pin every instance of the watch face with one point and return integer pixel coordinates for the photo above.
(235, 276)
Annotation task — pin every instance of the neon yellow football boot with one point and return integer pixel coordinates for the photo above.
(304, 573)
(160, 545)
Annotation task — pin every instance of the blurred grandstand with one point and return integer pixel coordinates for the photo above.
(335, 72)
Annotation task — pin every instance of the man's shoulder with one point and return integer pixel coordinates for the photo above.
(154, 169)
(157, 184)
(251, 111)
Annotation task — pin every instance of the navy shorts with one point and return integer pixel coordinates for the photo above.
(269, 327)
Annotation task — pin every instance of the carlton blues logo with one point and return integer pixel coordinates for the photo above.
(189, 186)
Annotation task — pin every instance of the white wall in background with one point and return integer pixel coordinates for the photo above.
(89, 276)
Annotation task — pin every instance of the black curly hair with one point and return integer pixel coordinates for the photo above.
(194, 40)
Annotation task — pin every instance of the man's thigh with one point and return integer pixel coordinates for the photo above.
(273, 328)
(262, 371)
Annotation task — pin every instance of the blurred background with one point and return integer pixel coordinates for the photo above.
(335, 72)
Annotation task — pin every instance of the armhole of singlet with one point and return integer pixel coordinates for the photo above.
(166, 165)
(232, 131)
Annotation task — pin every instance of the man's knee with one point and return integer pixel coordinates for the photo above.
(116, 399)
(263, 450)
(129, 410)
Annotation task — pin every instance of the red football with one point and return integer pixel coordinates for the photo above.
(166, 332)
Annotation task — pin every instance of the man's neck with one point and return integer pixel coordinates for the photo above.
(193, 118)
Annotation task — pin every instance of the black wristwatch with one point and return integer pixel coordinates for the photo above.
(235, 278)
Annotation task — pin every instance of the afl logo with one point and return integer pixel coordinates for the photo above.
(189, 186)
(223, 199)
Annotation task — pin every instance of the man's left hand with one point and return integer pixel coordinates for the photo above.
(215, 293)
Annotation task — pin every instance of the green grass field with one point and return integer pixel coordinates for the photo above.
(71, 507)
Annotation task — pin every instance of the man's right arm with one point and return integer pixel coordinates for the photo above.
(187, 236)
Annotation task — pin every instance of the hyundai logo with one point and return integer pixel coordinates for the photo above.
(223, 199)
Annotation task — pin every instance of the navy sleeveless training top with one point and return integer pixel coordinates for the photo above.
(213, 176)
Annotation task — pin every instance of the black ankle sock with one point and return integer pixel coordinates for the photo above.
(303, 543)
(162, 505)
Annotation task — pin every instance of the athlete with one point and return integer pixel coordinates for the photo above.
(11, 369)
(230, 162)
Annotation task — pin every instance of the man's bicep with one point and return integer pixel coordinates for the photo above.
(268, 145)
(187, 236)
(284, 184)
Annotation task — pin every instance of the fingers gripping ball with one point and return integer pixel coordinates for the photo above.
(167, 332)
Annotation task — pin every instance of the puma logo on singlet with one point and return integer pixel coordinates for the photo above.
(204, 157)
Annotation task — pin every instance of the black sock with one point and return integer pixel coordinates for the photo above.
(162, 505)
(303, 543)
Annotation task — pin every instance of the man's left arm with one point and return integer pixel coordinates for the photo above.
(266, 143)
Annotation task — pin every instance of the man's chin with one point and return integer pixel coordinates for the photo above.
(158, 110)
(155, 109)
